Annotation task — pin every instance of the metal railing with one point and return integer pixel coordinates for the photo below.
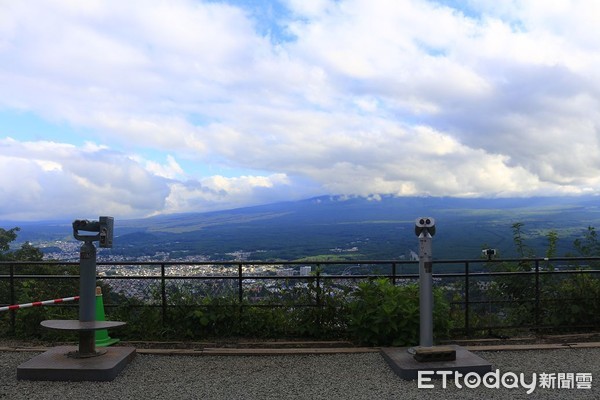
(463, 278)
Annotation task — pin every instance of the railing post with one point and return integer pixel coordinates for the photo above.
(467, 325)
(318, 283)
(240, 286)
(318, 298)
(13, 299)
(537, 293)
(240, 307)
(163, 291)
(394, 273)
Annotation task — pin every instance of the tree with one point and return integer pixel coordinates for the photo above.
(552, 237)
(27, 252)
(588, 246)
(6, 238)
(523, 250)
(26, 323)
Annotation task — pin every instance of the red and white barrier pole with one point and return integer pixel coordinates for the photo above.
(38, 303)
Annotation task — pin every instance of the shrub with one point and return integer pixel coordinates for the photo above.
(384, 314)
(573, 302)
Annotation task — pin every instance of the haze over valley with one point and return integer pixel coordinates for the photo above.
(335, 228)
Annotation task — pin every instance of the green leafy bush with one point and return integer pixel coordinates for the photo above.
(325, 314)
(574, 301)
(384, 314)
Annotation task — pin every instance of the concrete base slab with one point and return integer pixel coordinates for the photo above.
(406, 367)
(55, 365)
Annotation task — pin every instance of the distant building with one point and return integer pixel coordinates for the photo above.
(305, 270)
(414, 256)
(285, 272)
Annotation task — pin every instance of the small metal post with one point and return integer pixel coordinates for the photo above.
(240, 305)
(318, 300)
(467, 323)
(318, 286)
(163, 290)
(240, 284)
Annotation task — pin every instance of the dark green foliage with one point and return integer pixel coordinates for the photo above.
(565, 302)
(265, 322)
(144, 322)
(573, 301)
(588, 245)
(382, 314)
(27, 323)
(552, 237)
(295, 311)
(320, 312)
(6, 238)
(326, 314)
(216, 317)
(30, 290)
(27, 252)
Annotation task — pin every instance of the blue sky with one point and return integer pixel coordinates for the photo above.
(148, 107)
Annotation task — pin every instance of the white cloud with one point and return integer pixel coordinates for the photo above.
(47, 180)
(219, 192)
(55, 180)
(170, 170)
(393, 96)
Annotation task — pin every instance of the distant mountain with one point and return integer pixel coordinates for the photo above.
(348, 228)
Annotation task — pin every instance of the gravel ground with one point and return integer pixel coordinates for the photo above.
(344, 376)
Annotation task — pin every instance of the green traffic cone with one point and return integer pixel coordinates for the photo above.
(102, 338)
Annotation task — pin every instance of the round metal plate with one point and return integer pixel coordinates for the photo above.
(74, 325)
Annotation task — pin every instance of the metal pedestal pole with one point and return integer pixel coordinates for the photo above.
(87, 301)
(425, 291)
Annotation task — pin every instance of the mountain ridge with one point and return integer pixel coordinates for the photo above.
(318, 226)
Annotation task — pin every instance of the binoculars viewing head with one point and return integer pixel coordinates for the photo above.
(103, 229)
(425, 225)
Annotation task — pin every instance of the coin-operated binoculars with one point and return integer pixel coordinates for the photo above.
(83, 363)
(88, 232)
(102, 231)
(489, 253)
(425, 230)
(426, 357)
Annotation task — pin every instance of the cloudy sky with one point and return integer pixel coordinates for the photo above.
(142, 107)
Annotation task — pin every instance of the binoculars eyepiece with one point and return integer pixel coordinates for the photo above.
(425, 225)
(103, 227)
(85, 225)
(489, 253)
